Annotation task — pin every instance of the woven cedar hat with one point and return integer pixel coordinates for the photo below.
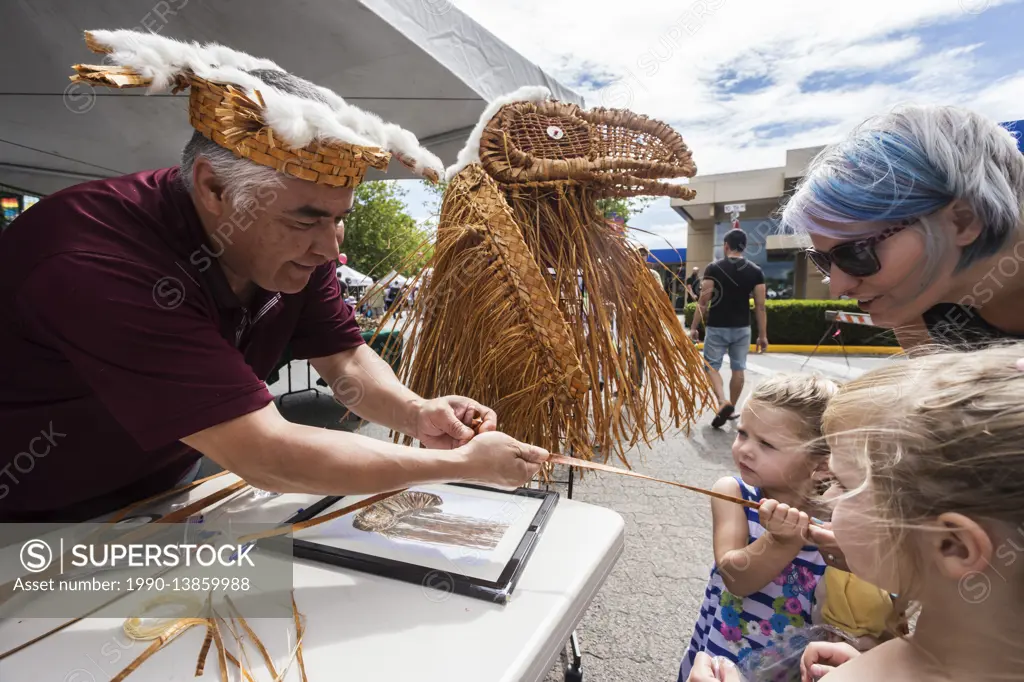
(319, 138)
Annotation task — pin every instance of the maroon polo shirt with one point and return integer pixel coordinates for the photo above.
(120, 335)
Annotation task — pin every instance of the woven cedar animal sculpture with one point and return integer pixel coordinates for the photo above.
(535, 304)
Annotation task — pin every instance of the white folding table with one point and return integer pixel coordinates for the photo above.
(364, 627)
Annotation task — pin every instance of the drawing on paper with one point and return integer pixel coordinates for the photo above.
(420, 516)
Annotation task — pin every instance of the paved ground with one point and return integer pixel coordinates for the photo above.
(639, 624)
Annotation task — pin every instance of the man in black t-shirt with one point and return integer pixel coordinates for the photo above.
(724, 307)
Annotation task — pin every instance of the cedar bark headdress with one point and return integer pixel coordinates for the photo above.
(539, 307)
(320, 138)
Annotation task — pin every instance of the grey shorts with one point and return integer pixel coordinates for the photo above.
(735, 340)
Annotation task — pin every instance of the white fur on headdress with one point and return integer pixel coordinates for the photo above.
(296, 120)
(470, 153)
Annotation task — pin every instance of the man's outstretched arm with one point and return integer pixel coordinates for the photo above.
(274, 454)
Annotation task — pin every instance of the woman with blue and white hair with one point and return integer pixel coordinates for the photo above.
(917, 214)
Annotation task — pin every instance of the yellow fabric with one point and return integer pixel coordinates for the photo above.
(853, 605)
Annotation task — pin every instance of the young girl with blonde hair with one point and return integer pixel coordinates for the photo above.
(929, 456)
(760, 596)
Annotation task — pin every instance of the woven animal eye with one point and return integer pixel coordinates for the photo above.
(555, 133)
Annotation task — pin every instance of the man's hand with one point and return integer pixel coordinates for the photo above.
(785, 523)
(821, 658)
(762, 344)
(444, 423)
(501, 460)
(707, 669)
(695, 334)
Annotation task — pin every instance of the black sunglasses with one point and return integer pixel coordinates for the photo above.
(856, 258)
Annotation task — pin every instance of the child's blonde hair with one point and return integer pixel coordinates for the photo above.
(807, 396)
(941, 432)
(938, 433)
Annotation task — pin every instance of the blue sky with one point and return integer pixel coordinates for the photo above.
(745, 80)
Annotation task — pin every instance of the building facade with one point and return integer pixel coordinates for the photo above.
(759, 194)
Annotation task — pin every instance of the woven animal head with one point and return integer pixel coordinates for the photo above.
(531, 140)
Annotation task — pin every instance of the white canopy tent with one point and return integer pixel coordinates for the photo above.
(352, 277)
(393, 279)
(422, 64)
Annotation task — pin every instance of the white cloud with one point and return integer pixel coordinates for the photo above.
(668, 60)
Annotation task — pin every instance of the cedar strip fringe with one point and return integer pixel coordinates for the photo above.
(502, 319)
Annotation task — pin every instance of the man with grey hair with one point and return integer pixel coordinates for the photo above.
(143, 314)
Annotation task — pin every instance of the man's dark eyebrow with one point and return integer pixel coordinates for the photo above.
(314, 212)
(310, 212)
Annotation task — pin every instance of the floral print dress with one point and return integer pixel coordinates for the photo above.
(764, 626)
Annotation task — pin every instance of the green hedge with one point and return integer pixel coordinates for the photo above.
(803, 322)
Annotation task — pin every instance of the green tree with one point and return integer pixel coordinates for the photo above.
(624, 207)
(437, 191)
(380, 236)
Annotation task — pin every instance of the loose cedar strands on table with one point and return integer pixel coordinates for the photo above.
(168, 633)
(136, 534)
(7, 590)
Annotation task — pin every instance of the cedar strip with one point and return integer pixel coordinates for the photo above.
(299, 631)
(167, 493)
(234, 660)
(204, 651)
(168, 636)
(292, 528)
(252, 635)
(583, 464)
(221, 650)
